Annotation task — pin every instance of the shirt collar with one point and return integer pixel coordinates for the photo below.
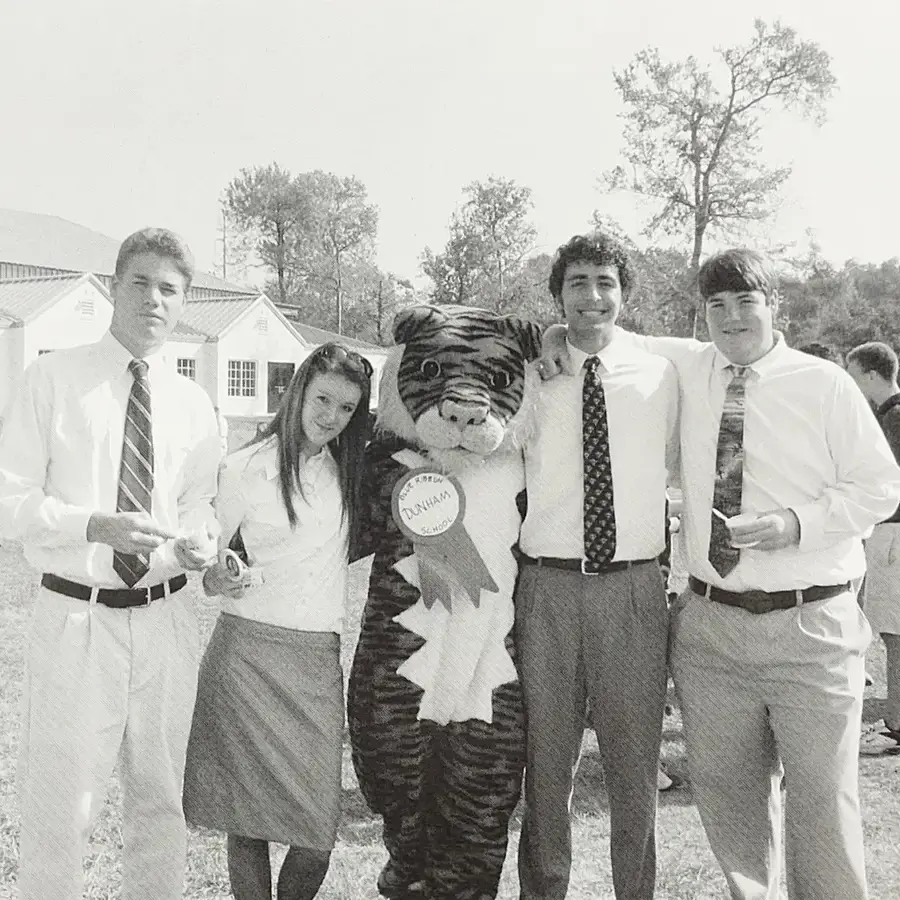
(613, 354)
(263, 458)
(762, 365)
(119, 356)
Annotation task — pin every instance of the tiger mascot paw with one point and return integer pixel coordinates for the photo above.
(434, 701)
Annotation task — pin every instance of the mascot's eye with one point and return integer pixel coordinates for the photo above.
(501, 380)
(430, 368)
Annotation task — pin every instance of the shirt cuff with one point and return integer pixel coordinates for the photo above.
(73, 520)
(811, 517)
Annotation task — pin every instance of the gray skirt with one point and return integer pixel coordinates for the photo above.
(264, 755)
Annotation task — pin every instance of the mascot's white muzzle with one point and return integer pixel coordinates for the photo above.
(464, 413)
(457, 423)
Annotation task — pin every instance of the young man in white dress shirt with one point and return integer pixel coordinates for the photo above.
(768, 650)
(768, 657)
(588, 631)
(112, 523)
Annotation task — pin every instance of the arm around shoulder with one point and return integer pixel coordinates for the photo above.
(673, 422)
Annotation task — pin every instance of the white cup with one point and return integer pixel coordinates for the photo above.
(737, 521)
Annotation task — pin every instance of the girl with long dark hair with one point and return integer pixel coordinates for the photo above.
(264, 757)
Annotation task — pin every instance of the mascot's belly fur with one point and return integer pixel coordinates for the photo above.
(465, 658)
(434, 704)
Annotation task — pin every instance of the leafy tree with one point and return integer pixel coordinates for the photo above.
(376, 297)
(528, 292)
(693, 134)
(269, 210)
(490, 237)
(343, 225)
(497, 213)
(313, 234)
(871, 295)
(456, 273)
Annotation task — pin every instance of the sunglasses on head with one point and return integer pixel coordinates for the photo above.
(339, 353)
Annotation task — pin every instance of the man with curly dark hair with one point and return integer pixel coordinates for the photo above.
(592, 621)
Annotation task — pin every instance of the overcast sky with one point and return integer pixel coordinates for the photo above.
(120, 115)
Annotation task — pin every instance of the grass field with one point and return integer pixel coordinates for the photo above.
(687, 870)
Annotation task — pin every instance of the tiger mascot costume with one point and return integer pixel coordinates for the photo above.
(434, 702)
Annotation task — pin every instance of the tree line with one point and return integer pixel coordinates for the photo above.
(692, 141)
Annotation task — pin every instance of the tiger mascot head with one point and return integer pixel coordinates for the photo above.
(457, 383)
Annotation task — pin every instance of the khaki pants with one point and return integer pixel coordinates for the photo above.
(762, 692)
(105, 685)
(600, 638)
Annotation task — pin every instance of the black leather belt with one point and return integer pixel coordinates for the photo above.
(115, 597)
(766, 601)
(581, 565)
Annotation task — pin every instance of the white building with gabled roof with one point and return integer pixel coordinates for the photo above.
(233, 341)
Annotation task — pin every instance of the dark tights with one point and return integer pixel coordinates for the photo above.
(300, 878)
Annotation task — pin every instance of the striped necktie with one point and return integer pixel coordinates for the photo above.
(729, 472)
(599, 510)
(136, 471)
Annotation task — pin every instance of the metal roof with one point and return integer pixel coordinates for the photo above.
(36, 239)
(212, 317)
(320, 336)
(23, 299)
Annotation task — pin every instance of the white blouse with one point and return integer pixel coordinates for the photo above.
(305, 568)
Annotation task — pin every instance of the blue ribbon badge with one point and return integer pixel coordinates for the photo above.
(428, 507)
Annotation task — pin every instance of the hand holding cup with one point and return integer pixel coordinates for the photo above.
(771, 530)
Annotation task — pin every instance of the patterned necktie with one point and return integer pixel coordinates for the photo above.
(599, 512)
(729, 472)
(136, 471)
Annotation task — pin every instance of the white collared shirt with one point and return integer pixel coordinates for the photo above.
(641, 392)
(811, 444)
(305, 568)
(61, 449)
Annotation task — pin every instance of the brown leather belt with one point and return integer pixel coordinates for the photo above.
(759, 602)
(581, 565)
(117, 598)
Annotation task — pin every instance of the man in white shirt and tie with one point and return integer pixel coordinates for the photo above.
(768, 641)
(108, 463)
(591, 615)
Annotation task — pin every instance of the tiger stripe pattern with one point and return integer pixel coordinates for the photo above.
(470, 357)
(445, 792)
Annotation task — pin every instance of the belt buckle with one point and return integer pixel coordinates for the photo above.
(584, 571)
(148, 596)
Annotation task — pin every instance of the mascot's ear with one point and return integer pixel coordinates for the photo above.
(413, 319)
(528, 334)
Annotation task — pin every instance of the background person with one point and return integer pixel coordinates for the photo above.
(108, 463)
(822, 351)
(264, 758)
(873, 366)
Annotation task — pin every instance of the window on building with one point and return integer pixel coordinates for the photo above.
(87, 308)
(241, 378)
(262, 325)
(187, 366)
